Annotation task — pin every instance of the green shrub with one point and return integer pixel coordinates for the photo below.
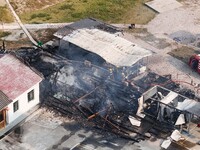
(48, 18)
(4, 33)
(39, 15)
(35, 22)
(77, 15)
(66, 6)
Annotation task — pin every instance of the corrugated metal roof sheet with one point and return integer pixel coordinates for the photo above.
(4, 100)
(86, 23)
(114, 49)
(16, 77)
(63, 31)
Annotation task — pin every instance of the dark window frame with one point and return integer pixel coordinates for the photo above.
(31, 95)
(15, 106)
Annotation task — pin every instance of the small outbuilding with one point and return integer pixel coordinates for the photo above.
(98, 42)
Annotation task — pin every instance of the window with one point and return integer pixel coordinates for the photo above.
(15, 106)
(30, 95)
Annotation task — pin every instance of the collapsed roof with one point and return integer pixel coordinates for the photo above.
(114, 49)
(85, 91)
(173, 106)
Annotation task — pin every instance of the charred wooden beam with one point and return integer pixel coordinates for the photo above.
(84, 96)
(129, 129)
(126, 136)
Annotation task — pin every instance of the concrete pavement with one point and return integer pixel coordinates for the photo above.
(45, 131)
(14, 26)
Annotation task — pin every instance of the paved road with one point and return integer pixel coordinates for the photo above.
(14, 26)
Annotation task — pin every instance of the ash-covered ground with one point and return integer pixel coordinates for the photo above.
(103, 96)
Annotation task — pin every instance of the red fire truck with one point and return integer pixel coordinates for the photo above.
(194, 62)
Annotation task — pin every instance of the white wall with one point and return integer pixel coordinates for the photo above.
(23, 104)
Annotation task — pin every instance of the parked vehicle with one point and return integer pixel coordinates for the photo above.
(194, 62)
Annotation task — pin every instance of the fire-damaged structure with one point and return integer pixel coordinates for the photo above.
(120, 94)
(170, 107)
(95, 41)
(124, 101)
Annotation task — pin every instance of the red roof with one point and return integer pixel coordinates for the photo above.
(16, 77)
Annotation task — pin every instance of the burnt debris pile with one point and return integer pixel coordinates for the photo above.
(106, 96)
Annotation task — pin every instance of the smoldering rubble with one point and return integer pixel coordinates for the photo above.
(112, 98)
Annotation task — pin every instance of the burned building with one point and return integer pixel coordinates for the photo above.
(75, 52)
(134, 108)
(98, 42)
(112, 91)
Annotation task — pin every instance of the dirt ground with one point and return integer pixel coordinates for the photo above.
(2, 3)
(18, 39)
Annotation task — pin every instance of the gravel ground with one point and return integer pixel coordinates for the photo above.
(183, 21)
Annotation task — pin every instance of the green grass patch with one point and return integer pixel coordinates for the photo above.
(4, 33)
(181, 0)
(111, 11)
(5, 15)
(66, 7)
(183, 53)
(39, 15)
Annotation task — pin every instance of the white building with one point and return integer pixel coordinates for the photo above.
(19, 91)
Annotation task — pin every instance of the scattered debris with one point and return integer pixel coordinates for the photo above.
(84, 91)
(176, 136)
(186, 38)
(183, 37)
(166, 143)
(134, 121)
